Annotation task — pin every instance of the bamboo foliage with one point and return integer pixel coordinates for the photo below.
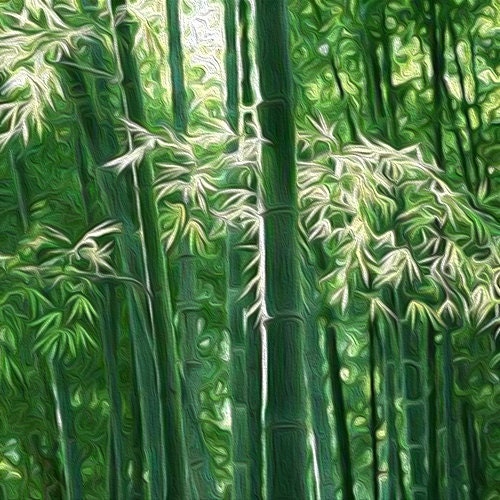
(248, 249)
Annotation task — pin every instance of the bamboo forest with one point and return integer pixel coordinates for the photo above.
(249, 249)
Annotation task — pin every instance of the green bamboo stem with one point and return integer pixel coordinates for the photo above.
(231, 64)
(390, 377)
(414, 402)
(136, 486)
(70, 455)
(245, 344)
(155, 263)
(117, 478)
(436, 45)
(320, 424)
(378, 415)
(244, 378)
(452, 451)
(432, 415)
(286, 409)
(390, 98)
(109, 328)
(339, 409)
(317, 373)
(179, 100)
(238, 374)
(190, 315)
(476, 467)
(374, 419)
(247, 92)
(373, 75)
(412, 387)
(116, 195)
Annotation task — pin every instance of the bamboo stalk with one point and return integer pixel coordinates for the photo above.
(317, 373)
(436, 44)
(452, 452)
(179, 99)
(70, 456)
(390, 98)
(475, 465)
(414, 403)
(109, 336)
(157, 278)
(432, 416)
(339, 411)
(395, 485)
(373, 75)
(244, 379)
(190, 315)
(109, 329)
(117, 197)
(245, 345)
(286, 406)
(374, 420)
(231, 63)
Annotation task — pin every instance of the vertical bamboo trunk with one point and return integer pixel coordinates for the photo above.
(474, 462)
(414, 402)
(109, 328)
(411, 387)
(321, 425)
(386, 333)
(373, 76)
(374, 419)
(117, 478)
(176, 65)
(390, 102)
(238, 371)
(432, 416)
(190, 320)
(247, 92)
(117, 197)
(339, 411)
(378, 414)
(453, 452)
(436, 44)
(231, 63)
(70, 456)
(155, 262)
(317, 374)
(245, 338)
(244, 373)
(286, 409)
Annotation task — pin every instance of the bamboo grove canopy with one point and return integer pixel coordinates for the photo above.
(249, 249)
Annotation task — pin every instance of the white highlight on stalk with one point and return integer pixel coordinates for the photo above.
(314, 454)
(135, 181)
(263, 335)
(254, 79)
